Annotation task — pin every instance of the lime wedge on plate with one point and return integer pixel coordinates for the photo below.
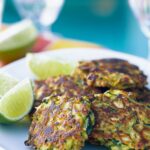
(43, 66)
(17, 102)
(16, 40)
(6, 83)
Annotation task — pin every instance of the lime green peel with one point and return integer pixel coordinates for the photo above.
(17, 102)
(43, 66)
(6, 83)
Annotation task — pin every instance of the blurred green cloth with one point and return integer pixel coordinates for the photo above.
(107, 22)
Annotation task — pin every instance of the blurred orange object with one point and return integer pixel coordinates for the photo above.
(1, 64)
(70, 43)
(3, 27)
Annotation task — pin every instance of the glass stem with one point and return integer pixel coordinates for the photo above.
(1, 13)
(47, 33)
(148, 49)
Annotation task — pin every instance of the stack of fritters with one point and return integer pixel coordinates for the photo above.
(115, 127)
(113, 89)
(65, 101)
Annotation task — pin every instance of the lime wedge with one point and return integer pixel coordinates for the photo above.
(43, 66)
(16, 40)
(17, 102)
(6, 83)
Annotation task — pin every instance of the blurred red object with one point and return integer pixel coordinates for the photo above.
(41, 44)
(1, 64)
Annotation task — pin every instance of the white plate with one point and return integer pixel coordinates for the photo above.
(12, 137)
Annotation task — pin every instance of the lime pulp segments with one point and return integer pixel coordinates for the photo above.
(17, 102)
(6, 83)
(43, 67)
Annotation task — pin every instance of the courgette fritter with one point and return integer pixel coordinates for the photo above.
(60, 123)
(142, 95)
(112, 73)
(121, 122)
(62, 85)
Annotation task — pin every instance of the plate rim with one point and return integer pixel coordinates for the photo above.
(78, 49)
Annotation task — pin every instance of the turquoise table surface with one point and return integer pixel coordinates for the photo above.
(114, 27)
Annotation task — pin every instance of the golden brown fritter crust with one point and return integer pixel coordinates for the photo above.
(111, 73)
(121, 122)
(62, 85)
(142, 95)
(60, 123)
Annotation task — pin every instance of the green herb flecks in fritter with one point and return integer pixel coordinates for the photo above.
(62, 85)
(142, 95)
(111, 73)
(60, 123)
(121, 122)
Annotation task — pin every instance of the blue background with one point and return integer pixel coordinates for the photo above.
(115, 28)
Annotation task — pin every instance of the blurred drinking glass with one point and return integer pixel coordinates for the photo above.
(141, 9)
(1, 148)
(42, 12)
(1, 12)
